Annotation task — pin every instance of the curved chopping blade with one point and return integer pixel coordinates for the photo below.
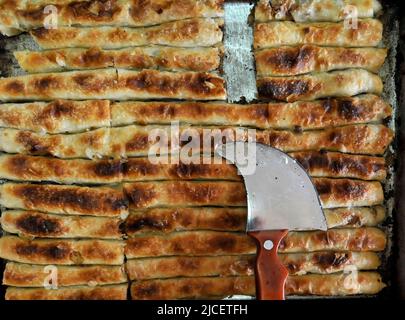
(280, 193)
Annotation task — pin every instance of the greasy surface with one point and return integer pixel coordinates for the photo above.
(133, 141)
(286, 33)
(173, 59)
(26, 275)
(327, 285)
(184, 33)
(44, 225)
(102, 201)
(344, 83)
(56, 116)
(113, 84)
(355, 217)
(112, 292)
(133, 13)
(313, 10)
(306, 115)
(290, 61)
(62, 252)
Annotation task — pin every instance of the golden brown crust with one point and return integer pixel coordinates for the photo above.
(57, 116)
(184, 193)
(134, 13)
(172, 59)
(328, 262)
(366, 283)
(325, 10)
(62, 252)
(363, 239)
(193, 243)
(305, 115)
(192, 288)
(273, 34)
(173, 267)
(352, 283)
(340, 165)
(113, 292)
(184, 33)
(102, 201)
(315, 86)
(43, 225)
(355, 217)
(180, 219)
(336, 193)
(26, 275)
(291, 61)
(113, 84)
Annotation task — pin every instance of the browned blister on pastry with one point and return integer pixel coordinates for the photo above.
(27, 275)
(62, 252)
(111, 292)
(184, 33)
(302, 114)
(363, 239)
(57, 116)
(291, 61)
(193, 243)
(367, 33)
(154, 57)
(178, 219)
(101, 201)
(44, 225)
(113, 84)
(344, 83)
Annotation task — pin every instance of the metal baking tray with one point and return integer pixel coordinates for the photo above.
(239, 72)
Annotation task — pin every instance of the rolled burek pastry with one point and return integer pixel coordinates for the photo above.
(326, 262)
(184, 33)
(62, 199)
(316, 86)
(363, 33)
(291, 61)
(109, 292)
(28, 275)
(113, 84)
(343, 284)
(153, 57)
(23, 16)
(315, 10)
(62, 252)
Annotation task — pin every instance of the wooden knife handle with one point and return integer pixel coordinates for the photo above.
(271, 274)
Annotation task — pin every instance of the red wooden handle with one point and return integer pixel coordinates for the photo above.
(271, 274)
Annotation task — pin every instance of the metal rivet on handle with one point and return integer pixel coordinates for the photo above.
(268, 245)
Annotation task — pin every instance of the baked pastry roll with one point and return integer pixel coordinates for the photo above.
(305, 115)
(31, 224)
(291, 61)
(31, 14)
(192, 243)
(179, 219)
(57, 116)
(355, 217)
(172, 59)
(367, 33)
(111, 292)
(62, 252)
(184, 33)
(27, 275)
(73, 200)
(315, 10)
(321, 85)
(333, 193)
(362, 239)
(113, 84)
(365, 283)
(296, 263)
